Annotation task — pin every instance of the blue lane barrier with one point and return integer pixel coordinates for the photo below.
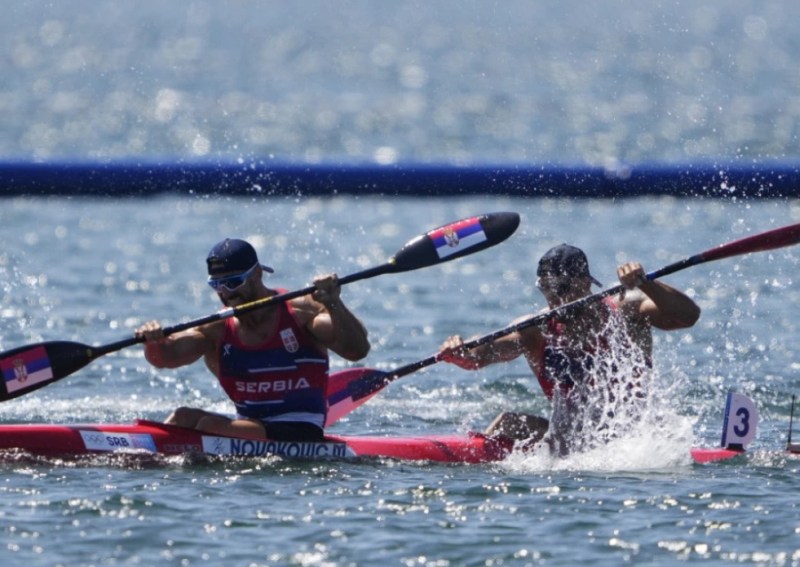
(772, 180)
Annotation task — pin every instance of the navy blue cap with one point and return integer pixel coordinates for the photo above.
(565, 261)
(232, 255)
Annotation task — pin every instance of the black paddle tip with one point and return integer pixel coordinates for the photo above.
(499, 226)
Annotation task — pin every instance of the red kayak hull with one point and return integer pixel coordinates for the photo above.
(150, 437)
(712, 455)
(158, 438)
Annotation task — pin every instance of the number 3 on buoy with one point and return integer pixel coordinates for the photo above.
(741, 421)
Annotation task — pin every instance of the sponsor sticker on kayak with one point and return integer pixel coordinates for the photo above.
(260, 448)
(457, 236)
(112, 441)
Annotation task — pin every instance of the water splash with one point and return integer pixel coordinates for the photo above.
(618, 413)
(656, 443)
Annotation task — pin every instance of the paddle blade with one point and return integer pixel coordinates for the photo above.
(31, 367)
(350, 389)
(455, 240)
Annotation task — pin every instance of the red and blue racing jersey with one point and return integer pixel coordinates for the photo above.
(283, 378)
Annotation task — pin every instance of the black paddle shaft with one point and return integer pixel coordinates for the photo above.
(417, 253)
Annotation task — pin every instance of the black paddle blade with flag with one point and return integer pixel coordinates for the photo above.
(455, 240)
(31, 367)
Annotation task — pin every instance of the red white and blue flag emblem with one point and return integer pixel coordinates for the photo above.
(455, 237)
(26, 369)
(290, 342)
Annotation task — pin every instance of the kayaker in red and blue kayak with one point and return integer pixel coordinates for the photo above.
(592, 361)
(272, 362)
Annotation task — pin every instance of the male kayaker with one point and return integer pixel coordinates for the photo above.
(591, 362)
(272, 361)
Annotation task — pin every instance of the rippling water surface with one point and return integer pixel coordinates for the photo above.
(454, 81)
(91, 271)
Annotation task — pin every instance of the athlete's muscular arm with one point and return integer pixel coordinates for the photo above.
(503, 349)
(330, 321)
(178, 349)
(662, 305)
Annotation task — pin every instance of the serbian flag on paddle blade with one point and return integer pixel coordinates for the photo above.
(457, 236)
(26, 369)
